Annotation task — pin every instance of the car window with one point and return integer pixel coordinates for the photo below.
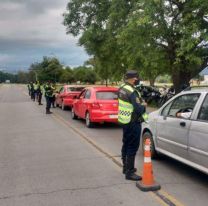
(74, 89)
(183, 102)
(166, 110)
(81, 96)
(87, 94)
(203, 114)
(108, 95)
(61, 90)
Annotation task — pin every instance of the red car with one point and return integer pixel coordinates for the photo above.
(66, 94)
(96, 104)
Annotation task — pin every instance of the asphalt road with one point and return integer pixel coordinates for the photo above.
(54, 160)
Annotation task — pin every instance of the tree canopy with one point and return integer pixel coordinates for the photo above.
(155, 36)
(51, 69)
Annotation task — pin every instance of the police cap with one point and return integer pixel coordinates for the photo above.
(131, 74)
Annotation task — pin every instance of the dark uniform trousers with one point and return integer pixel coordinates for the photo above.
(131, 138)
(48, 102)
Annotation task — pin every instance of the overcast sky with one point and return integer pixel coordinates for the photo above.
(31, 29)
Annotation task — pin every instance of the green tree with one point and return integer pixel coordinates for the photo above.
(90, 17)
(175, 31)
(67, 75)
(154, 36)
(22, 77)
(48, 69)
(85, 75)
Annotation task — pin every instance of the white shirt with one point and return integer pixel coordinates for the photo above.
(186, 115)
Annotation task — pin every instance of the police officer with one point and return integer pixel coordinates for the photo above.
(35, 86)
(131, 114)
(53, 98)
(40, 93)
(29, 89)
(48, 95)
(32, 91)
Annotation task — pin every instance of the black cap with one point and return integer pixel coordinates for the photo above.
(131, 74)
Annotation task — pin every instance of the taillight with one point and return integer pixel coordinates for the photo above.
(95, 106)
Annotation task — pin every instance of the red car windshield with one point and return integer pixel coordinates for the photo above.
(74, 89)
(107, 95)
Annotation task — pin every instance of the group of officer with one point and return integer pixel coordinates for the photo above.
(36, 91)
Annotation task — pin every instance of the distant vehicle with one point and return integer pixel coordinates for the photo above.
(65, 96)
(184, 139)
(7, 81)
(96, 105)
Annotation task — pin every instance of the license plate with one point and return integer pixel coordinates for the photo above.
(113, 116)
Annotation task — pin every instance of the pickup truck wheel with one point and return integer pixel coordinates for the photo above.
(73, 115)
(89, 124)
(148, 135)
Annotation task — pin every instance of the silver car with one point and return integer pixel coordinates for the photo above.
(184, 139)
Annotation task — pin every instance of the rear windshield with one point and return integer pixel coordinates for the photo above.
(107, 95)
(74, 89)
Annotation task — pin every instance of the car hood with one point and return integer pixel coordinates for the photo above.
(151, 120)
(153, 115)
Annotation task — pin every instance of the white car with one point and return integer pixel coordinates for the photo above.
(184, 139)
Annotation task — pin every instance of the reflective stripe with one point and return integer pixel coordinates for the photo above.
(125, 107)
(147, 147)
(147, 159)
(124, 104)
(129, 88)
(145, 116)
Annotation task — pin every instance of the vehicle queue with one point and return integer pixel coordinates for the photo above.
(99, 104)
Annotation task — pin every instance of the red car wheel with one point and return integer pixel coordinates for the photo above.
(74, 116)
(89, 124)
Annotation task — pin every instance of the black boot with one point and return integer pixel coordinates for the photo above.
(130, 175)
(124, 165)
(48, 111)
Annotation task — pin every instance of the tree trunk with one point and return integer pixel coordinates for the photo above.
(106, 82)
(180, 79)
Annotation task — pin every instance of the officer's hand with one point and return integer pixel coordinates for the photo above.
(144, 104)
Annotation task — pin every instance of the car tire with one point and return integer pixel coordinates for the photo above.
(63, 107)
(56, 104)
(89, 124)
(148, 135)
(73, 115)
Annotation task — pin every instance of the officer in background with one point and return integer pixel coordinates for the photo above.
(29, 89)
(32, 92)
(131, 115)
(53, 98)
(48, 95)
(35, 86)
(40, 93)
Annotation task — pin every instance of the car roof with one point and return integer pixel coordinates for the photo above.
(103, 88)
(74, 85)
(195, 90)
(197, 87)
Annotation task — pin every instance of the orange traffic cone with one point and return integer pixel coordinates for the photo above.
(147, 183)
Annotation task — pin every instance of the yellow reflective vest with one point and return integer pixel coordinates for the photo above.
(125, 106)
